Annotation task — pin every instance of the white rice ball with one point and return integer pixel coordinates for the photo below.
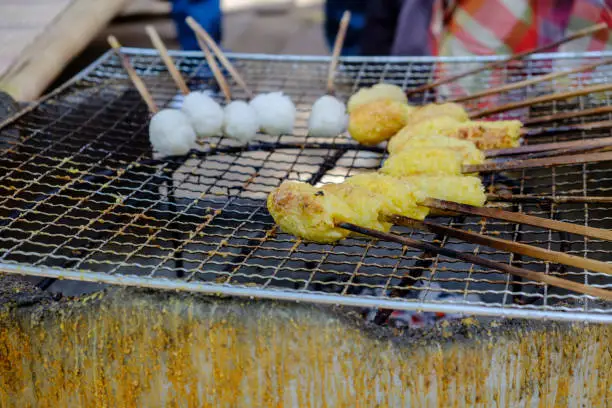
(328, 117)
(240, 121)
(171, 133)
(205, 115)
(276, 113)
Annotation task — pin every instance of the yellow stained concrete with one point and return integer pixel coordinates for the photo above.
(135, 349)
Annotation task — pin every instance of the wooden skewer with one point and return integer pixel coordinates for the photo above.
(201, 32)
(529, 82)
(541, 99)
(214, 67)
(163, 53)
(565, 151)
(519, 218)
(526, 198)
(505, 245)
(543, 147)
(136, 80)
(534, 163)
(518, 56)
(477, 260)
(340, 36)
(531, 133)
(568, 115)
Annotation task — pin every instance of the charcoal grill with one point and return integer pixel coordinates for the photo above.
(82, 198)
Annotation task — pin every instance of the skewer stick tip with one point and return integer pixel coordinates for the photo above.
(201, 32)
(113, 42)
(338, 43)
(159, 45)
(214, 67)
(136, 80)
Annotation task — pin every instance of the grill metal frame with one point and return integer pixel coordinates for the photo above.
(81, 171)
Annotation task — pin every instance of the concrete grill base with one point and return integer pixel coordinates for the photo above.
(130, 347)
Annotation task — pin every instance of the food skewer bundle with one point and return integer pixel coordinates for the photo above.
(170, 130)
(275, 111)
(204, 113)
(328, 116)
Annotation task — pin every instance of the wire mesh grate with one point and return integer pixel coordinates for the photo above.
(81, 196)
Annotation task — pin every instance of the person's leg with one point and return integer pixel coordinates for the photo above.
(380, 25)
(205, 12)
(333, 14)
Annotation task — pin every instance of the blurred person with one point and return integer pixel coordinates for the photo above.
(333, 14)
(480, 27)
(206, 12)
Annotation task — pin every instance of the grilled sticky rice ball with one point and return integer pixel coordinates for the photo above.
(432, 161)
(377, 121)
(459, 189)
(438, 110)
(309, 212)
(368, 207)
(426, 128)
(402, 198)
(484, 134)
(376, 92)
(468, 150)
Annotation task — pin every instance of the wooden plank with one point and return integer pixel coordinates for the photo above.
(62, 38)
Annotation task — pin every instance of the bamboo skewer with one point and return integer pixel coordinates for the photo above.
(508, 246)
(526, 198)
(587, 148)
(163, 52)
(529, 82)
(136, 80)
(201, 32)
(568, 115)
(519, 218)
(493, 166)
(544, 147)
(214, 67)
(338, 43)
(518, 56)
(477, 260)
(540, 99)
(580, 127)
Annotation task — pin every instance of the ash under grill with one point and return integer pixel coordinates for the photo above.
(81, 198)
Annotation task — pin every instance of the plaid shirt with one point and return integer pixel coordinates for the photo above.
(484, 27)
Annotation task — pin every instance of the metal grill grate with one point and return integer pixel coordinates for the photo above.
(81, 198)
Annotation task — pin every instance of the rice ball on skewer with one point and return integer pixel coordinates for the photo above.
(328, 117)
(432, 161)
(240, 121)
(171, 133)
(204, 113)
(403, 198)
(275, 112)
(377, 92)
(368, 207)
(458, 189)
(437, 110)
(484, 134)
(377, 121)
(470, 154)
(309, 212)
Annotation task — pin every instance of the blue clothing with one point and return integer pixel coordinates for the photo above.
(205, 12)
(333, 14)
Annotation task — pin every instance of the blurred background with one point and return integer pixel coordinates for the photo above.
(45, 42)
(258, 26)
